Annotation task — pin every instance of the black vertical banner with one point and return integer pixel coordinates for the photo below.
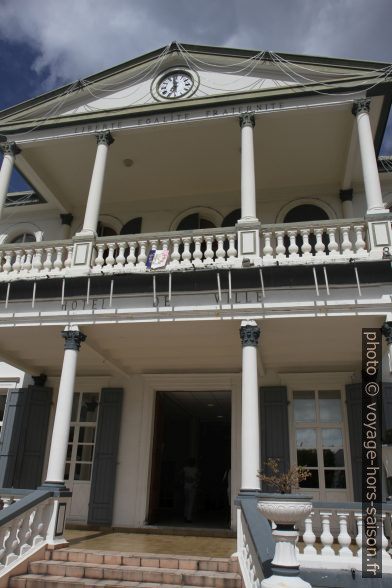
(371, 453)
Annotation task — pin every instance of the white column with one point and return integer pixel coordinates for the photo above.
(368, 158)
(248, 183)
(346, 198)
(58, 448)
(104, 139)
(66, 221)
(10, 150)
(250, 426)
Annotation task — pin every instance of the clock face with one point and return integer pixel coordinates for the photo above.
(175, 85)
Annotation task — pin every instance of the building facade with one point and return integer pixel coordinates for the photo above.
(207, 236)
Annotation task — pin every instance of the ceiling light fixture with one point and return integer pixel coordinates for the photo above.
(128, 162)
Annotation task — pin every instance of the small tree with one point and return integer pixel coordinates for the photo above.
(283, 482)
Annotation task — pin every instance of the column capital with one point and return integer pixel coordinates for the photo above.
(247, 120)
(10, 148)
(249, 333)
(104, 138)
(359, 106)
(66, 219)
(345, 195)
(73, 339)
(386, 330)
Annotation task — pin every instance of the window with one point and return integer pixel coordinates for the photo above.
(24, 238)
(306, 213)
(132, 227)
(319, 438)
(193, 222)
(104, 230)
(232, 218)
(81, 441)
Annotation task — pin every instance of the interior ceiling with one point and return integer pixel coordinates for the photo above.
(286, 345)
(306, 146)
(205, 406)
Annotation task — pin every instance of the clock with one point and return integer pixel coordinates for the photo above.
(175, 84)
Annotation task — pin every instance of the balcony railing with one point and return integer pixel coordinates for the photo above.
(286, 244)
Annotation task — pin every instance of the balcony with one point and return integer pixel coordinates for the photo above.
(321, 242)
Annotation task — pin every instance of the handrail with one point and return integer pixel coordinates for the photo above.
(24, 504)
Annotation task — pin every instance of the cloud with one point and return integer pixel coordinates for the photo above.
(75, 38)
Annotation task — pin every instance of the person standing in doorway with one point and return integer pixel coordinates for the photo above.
(191, 477)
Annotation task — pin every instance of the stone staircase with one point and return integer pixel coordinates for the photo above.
(74, 568)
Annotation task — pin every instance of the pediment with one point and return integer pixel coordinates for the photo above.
(209, 73)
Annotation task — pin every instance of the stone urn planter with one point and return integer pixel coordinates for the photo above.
(286, 511)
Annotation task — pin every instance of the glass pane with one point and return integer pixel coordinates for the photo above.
(82, 471)
(75, 404)
(89, 408)
(304, 407)
(86, 434)
(332, 440)
(330, 406)
(312, 481)
(69, 450)
(71, 434)
(306, 447)
(85, 452)
(66, 473)
(335, 478)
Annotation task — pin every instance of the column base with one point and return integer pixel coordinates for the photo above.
(58, 488)
(246, 220)
(378, 210)
(284, 582)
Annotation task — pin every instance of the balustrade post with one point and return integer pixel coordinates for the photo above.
(306, 247)
(110, 261)
(232, 251)
(309, 538)
(197, 254)
(326, 536)
(359, 243)
(220, 252)
(16, 266)
(131, 259)
(267, 249)
(186, 254)
(142, 257)
(346, 242)
(120, 259)
(344, 538)
(280, 248)
(209, 252)
(293, 247)
(333, 246)
(175, 254)
(319, 246)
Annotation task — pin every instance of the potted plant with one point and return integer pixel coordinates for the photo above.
(286, 511)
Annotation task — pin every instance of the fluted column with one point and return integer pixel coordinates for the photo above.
(248, 183)
(346, 198)
(250, 426)
(104, 140)
(58, 448)
(368, 158)
(10, 151)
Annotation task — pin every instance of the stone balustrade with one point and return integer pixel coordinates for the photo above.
(31, 522)
(332, 537)
(304, 243)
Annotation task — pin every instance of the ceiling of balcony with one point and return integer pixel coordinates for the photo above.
(286, 345)
(292, 148)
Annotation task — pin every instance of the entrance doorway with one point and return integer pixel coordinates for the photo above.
(191, 466)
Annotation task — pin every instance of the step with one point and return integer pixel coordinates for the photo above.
(42, 581)
(181, 562)
(122, 572)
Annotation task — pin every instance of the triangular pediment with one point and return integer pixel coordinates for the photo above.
(190, 75)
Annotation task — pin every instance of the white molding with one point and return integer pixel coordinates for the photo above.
(19, 228)
(319, 380)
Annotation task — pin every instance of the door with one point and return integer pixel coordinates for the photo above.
(80, 455)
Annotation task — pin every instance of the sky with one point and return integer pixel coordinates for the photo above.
(47, 43)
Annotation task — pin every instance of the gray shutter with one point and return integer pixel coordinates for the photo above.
(31, 453)
(10, 435)
(387, 412)
(354, 416)
(274, 441)
(23, 437)
(105, 457)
